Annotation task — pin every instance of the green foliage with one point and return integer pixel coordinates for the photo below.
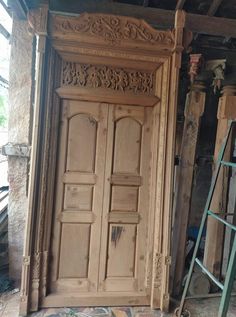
(3, 112)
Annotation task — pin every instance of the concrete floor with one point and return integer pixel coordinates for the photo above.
(9, 306)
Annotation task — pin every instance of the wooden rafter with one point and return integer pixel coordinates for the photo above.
(180, 4)
(214, 7)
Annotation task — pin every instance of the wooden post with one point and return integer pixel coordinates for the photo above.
(32, 260)
(194, 108)
(215, 230)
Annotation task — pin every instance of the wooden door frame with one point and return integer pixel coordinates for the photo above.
(73, 39)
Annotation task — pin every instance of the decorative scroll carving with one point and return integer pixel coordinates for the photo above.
(113, 29)
(96, 76)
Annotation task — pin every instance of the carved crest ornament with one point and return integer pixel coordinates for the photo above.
(113, 29)
(97, 76)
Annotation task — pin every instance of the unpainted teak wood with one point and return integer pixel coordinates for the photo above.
(194, 108)
(76, 128)
(105, 147)
(128, 156)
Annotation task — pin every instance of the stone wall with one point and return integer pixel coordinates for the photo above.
(20, 84)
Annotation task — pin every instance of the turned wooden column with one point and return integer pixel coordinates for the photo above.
(215, 230)
(194, 108)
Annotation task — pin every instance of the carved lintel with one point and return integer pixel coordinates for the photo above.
(217, 67)
(110, 29)
(38, 20)
(117, 79)
(195, 63)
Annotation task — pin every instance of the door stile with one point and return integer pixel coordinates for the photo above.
(106, 199)
(144, 201)
(152, 196)
(63, 131)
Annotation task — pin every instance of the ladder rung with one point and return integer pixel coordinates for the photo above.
(212, 277)
(210, 213)
(230, 164)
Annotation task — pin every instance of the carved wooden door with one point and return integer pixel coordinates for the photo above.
(102, 201)
(79, 195)
(98, 227)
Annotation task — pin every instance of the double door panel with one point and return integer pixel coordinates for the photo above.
(100, 229)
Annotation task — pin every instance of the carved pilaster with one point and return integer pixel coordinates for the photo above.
(158, 268)
(195, 64)
(35, 281)
(44, 271)
(24, 292)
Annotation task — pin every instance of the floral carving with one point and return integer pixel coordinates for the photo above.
(96, 76)
(113, 29)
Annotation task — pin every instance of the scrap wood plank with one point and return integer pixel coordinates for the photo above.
(194, 108)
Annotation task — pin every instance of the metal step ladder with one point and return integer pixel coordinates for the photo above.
(231, 270)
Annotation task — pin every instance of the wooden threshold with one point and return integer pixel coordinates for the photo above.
(99, 299)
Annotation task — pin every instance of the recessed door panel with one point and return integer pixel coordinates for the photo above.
(74, 259)
(127, 143)
(82, 138)
(121, 250)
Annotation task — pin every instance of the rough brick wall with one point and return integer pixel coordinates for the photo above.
(20, 83)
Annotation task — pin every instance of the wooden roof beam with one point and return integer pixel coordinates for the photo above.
(204, 24)
(180, 4)
(214, 7)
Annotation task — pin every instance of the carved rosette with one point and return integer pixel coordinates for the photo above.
(112, 29)
(117, 79)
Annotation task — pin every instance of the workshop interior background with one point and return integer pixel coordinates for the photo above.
(196, 93)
